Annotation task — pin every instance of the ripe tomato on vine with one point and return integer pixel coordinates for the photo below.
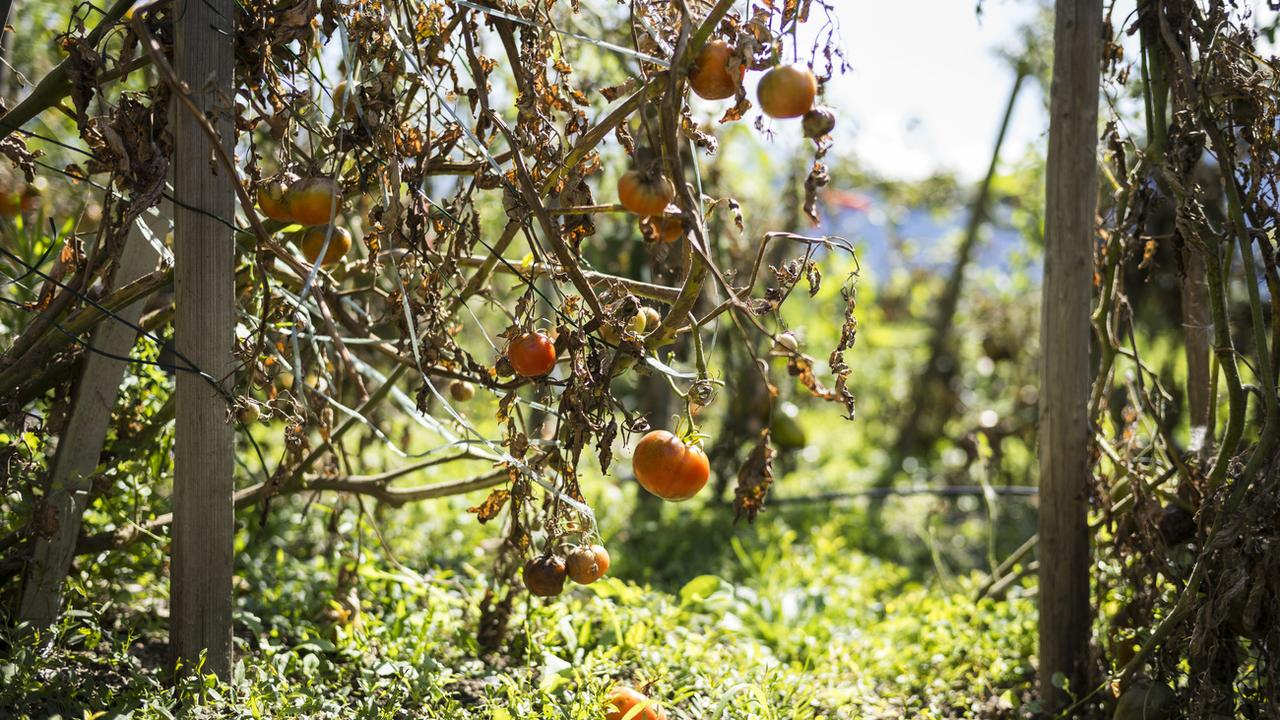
(670, 467)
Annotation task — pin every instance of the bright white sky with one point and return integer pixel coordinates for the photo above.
(927, 89)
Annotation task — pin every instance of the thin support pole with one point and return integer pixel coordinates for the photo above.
(1070, 205)
(204, 325)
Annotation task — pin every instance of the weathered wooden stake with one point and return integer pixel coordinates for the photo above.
(204, 324)
(1070, 206)
(81, 443)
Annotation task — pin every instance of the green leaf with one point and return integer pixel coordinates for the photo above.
(700, 588)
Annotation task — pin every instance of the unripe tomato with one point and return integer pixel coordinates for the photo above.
(342, 103)
(544, 576)
(669, 467)
(818, 122)
(710, 77)
(313, 201)
(634, 328)
(786, 431)
(787, 91)
(250, 413)
(622, 699)
(645, 194)
(652, 318)
(313, 242)
(461, 390)
(531, 354)
(272, 200)
(587, 563)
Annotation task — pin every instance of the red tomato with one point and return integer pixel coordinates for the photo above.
(532, 354)
(668, 467)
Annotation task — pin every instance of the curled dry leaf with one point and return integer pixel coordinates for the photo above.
(754, 479)
(491, 506)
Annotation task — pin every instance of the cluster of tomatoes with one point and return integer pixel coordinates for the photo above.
(664, 464)
(544, 575)
(313, 202)
(785, 91)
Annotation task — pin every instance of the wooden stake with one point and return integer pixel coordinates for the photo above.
(204, 324)
(81, 443)
(1070, 205)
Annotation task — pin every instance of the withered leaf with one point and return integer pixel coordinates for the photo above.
(754, 479)
(15, 148)
(491, 506)
(818, 178)
(814, 276)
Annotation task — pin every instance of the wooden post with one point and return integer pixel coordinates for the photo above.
(81, 443)
(204, 325)
(1070, 205)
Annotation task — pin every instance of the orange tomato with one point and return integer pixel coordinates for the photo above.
(669, 467)
(622, 699)
(668, 228)
(313, 201)
(787, 91)
(587, 564)
(645, 194)
(531, 354)
(710, 77)
(313, 242)
(272, 199)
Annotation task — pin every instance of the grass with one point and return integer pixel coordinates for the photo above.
(787, 619)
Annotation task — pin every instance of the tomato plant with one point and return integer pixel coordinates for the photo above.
(479, 242)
